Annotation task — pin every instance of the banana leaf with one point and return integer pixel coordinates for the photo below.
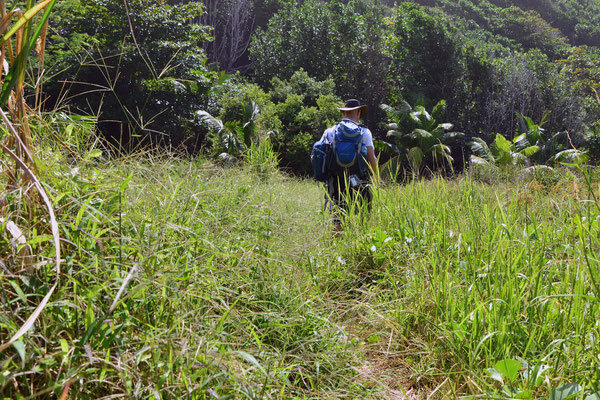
(480, 149)
(438, 110)
(529, 151)
(415, 158)
(571, 156)
(383, 146)
(451, 136)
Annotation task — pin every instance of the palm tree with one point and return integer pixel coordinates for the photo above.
(531, 144)
(419, 137)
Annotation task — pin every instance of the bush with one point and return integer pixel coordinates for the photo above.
(299, 111)
(140, 68)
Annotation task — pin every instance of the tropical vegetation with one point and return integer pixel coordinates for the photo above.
(160, 236)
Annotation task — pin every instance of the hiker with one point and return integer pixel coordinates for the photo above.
(348, 171)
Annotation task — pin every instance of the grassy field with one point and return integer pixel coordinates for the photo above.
(183, 279)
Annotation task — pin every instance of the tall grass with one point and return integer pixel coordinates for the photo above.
(467, 275)
(186, 280)
(210, 301)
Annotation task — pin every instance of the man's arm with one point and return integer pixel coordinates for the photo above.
(372, 160)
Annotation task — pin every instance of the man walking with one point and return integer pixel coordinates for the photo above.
(353, 160)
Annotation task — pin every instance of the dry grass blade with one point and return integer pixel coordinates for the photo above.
(12, 129)
(129, 277)
(54, 226)
(5, 22)
(19, 240)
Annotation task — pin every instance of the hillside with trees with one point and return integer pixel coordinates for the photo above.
(489, 61)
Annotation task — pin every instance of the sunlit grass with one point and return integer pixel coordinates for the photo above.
(232, 284)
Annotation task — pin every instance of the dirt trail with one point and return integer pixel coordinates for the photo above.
(383, 372)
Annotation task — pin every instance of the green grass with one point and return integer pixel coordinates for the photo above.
(238, 289)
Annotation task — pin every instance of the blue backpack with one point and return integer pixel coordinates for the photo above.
(342, 144)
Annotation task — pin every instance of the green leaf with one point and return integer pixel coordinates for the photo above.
(391, 168)
(480, 149)
(535, 376)
(404, 107)
(29, 14)
(396, 134)
(415, 157)
(211, 121)
(125, 182)
(501, 145)
(521, 142)
(529, 151)
(495, 374)
(594, 396)
(20, 348)
(509, 368)
(438, 110)
(89, 315)
(389, 110)
(20, 293)
(566, 391)
(64, 346)
(40, 25)
(450, 136)
(420, 115)
(446, 126)
(525, 395)
(382, 146)
(474, 160)
(529, 121)
(439, 149)
(420, 134)
(95, 153)
(571, 156)
(250, 358)
(535, 136)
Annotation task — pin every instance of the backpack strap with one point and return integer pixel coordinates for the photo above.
(331, 133)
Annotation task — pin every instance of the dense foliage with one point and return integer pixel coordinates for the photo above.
(145, 72)
(341, 40)
(138, 68)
